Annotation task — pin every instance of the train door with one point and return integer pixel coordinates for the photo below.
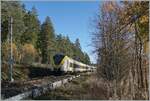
(67, 64)
(71, 68)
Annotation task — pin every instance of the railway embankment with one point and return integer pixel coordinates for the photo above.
(23, 72)
(34, 88)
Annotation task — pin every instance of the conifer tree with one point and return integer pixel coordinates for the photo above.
(47, 34)
(32, 27)
(12, 9)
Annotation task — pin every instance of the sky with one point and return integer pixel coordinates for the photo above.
(69, 18)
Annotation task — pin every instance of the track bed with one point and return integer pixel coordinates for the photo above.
(9, 89)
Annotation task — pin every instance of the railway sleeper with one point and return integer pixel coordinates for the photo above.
(57, 84)
(65, 81)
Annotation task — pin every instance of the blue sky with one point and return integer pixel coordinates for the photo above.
(69, 18)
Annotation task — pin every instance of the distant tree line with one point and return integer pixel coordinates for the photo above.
(33, 41)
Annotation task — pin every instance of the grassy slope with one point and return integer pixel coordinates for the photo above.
(19, 72)
(25, 72)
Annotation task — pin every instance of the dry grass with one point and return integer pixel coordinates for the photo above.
(83, 88)
(98, 89)
(76, 90)
(19, 72)
(101, 89)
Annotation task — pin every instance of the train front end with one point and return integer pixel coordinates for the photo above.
(60, 62)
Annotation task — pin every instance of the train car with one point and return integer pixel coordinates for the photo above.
(66, 64)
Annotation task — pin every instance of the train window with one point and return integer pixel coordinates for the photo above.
(58, 58)
(71, 64)
(76, 66)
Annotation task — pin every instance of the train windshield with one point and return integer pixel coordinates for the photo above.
(58, 58)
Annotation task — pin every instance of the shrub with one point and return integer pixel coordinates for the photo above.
(29, 54)
(98, 89)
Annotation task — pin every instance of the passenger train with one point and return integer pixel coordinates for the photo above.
(66, 64)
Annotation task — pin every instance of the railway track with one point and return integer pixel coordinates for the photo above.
(32, 88)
